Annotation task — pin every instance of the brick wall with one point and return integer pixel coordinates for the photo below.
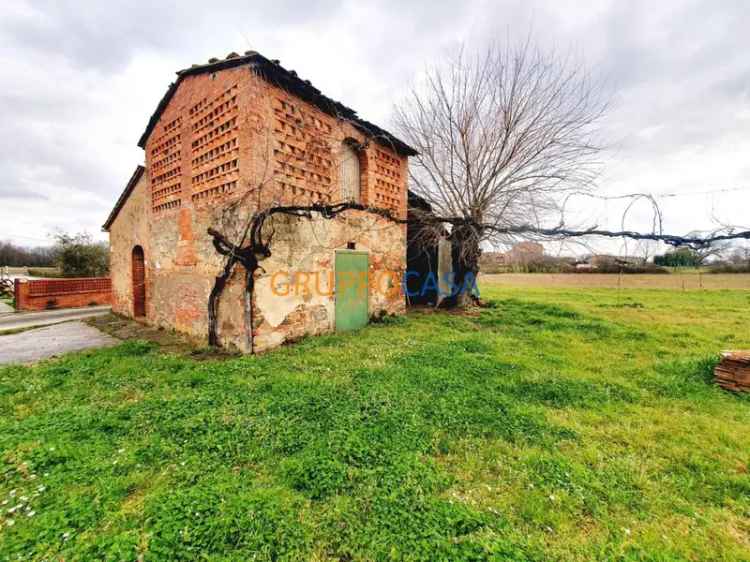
(45, 294)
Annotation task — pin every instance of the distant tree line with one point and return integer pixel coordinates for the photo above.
(722, 256)
(75, 255)
(18, 256)
(725, 259)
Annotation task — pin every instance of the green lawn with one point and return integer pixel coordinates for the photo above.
(560, 424)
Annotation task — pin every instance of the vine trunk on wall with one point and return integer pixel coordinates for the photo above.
(258, 249)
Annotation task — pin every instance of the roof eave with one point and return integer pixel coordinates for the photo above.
(132, 182)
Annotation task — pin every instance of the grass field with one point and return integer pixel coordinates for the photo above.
(677, 280)
(559, 424)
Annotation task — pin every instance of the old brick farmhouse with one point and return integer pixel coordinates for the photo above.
(235, 136)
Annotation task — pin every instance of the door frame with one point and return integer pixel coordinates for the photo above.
(133, 254)
(335, 288)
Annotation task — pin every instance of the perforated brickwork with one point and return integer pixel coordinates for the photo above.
(387, 191)
(166, 167)
(40, 287)
(302, 154)
(42, 294)
(215, 146)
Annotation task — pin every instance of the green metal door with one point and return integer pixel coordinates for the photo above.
(351, 290)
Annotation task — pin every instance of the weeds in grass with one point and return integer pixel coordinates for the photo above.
(545, 427)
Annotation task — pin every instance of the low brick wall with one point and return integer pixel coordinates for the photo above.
(46, 294)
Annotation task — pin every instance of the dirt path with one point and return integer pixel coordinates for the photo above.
(42, 343)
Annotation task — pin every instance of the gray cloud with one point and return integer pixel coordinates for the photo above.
(11, 192)
(80, 81)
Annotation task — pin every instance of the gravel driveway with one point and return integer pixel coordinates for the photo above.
(42, 343)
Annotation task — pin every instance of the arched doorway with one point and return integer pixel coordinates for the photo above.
(350, 174)
(139, 282)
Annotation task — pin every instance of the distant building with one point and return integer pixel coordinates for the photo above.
(524, 253)
(493, 260)
(520, 255)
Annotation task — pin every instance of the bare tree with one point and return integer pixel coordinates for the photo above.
(503, 138)
(717, 250)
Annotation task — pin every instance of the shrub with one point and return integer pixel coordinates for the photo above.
(80, 256)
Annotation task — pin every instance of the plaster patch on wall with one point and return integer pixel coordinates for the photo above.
(275, 306)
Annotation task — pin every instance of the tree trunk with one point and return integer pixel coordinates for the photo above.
(466, 251)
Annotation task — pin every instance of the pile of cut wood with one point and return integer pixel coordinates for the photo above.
(733, 372)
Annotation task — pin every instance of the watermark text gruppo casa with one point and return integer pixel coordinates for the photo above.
(412, 283)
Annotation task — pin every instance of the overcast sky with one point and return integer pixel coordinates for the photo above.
(81, 78)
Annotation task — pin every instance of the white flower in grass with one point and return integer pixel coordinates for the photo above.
(31, 513)
(41, 488)
(10, 522)
(12, 494)
(627, 531)
(552, 497)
